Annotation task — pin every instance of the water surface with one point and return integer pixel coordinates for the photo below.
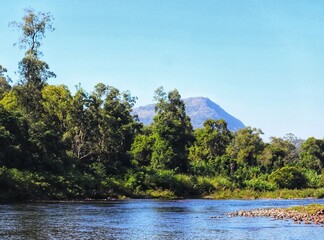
(150, 219)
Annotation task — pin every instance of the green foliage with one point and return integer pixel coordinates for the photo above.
(58, 145)
(203, 168)
(211, 141)
(277, 154)
(136, 181)
(313, 178)
(288, 177)
(209, 185)
(142, 149)
(161, 193)
(321, 180)
(181, 184)
(33, 71)
(312, 154)
(10, 101)
(14, 151)
(310, 209)
(279, 193)
(33, 27)
(101, 127)
(172, 132)
(246, 146)
(57, 104)
(260, 184)
(20, 185)
(4, 82)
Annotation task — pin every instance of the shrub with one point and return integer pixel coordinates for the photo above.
(288, 177)
(208, 185)
(204, 185)
(180, 184)
(159, 193)
(313, 179)
(321, 180)
(260, 185)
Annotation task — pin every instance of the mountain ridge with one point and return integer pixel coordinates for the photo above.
(199, 109)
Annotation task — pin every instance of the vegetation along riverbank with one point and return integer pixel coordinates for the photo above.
(313, 213)
(58, 145)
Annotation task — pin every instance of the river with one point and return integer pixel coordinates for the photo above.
(150, 219)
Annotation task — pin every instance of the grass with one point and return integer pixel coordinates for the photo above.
(161, 193)
(309, 209)
(280, 193)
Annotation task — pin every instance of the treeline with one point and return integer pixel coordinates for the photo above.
(58, 145)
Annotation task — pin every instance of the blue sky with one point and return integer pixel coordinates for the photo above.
(262, 61)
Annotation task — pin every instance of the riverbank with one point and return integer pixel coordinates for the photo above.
(313, 213)
(30, 194)
(276, 194)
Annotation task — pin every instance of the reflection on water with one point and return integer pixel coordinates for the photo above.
(149, 219)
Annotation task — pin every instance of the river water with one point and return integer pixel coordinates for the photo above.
(150, 219)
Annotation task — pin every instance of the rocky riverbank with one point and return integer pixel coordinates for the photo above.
(297, 214)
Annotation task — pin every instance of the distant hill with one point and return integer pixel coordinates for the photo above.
(199, 109)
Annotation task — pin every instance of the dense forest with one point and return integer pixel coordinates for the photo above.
(58, 145)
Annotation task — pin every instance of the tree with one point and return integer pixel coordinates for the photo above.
(117, 127)
(278, 153)
(142, 147)
(288, 177)
(33, 27)
(33, 71)
(4, 82)
(14, 150)
(78, 126)
(10, 101)
(57, 104)
(211, 141)
(172, 132)
(246, 146)
(102, 128)
(312, 154)
(44, 137)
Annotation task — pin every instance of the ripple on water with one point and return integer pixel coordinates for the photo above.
(150, 219)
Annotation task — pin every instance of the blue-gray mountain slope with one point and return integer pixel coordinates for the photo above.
(199, 109)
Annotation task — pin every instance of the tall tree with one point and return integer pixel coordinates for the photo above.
(278, 153)
(33, 76)
(78, 126)
(312, 154)
(211, 141)
(102, 127)
(14, 150)
(57, 104)
(4, 82)
(246, 146)
(118, 127)
(33, 71)
(172, 131)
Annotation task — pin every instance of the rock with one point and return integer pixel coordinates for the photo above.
(282, 214)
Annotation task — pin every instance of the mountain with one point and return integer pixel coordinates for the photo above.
(199, 109)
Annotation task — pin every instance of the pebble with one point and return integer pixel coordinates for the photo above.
(282, 214)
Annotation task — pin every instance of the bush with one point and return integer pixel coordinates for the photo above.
(260, 185)
(20, 185)
(205, 185)
(288, 177)
(313, 179)
(208, 185)
(321, 179)
(135, 181)
(181, 184)
(159, 193)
